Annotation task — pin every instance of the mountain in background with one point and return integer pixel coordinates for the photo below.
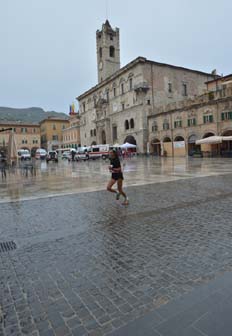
(28, 115)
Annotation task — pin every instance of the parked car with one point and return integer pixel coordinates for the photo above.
(24, 154)
(52, 156)
(82, 154)
(66, 155)
(41, 154)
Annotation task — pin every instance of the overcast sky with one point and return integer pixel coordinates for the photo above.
(48, 50)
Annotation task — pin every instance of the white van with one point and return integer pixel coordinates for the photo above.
(40, 154)
(24, 154)
(99, 151)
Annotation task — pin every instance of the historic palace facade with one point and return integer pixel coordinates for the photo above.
(174, 128)
(119, 107)
(27, 135)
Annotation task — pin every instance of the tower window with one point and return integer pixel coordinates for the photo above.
(100, 52)
(126, 125)
(131, 84)
(122, 88)
(114, 91)
(111, 37)
(170, 87)
(132, 123)
(112, 51)
(184, 89)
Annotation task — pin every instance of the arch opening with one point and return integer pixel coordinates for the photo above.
(131, 140)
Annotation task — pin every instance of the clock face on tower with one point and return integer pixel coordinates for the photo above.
(100, 65)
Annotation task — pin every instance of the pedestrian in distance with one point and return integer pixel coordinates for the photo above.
(116, 177)
(3, 164)
(73, 155)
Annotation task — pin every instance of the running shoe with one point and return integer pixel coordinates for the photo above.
(126, 202)
(117, 196)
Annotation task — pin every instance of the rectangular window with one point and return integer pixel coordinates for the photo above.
(226, 116)
(184, 88)
(123, 107)
(23, 130)
(107, 96)
(154, 128)
(122, 88)
(54, 127)
(131, 84)
(192, 122)
(208, 119)
(83, 107)
(165, 126)
(114, 92)
(148, 102)
(178, 124)
(55, 137)
(169, 87)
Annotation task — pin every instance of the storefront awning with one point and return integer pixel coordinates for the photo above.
(214, 140)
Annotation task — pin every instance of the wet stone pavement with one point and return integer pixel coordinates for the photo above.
(86, 265)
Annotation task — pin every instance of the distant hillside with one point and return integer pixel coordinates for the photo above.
(30, 115)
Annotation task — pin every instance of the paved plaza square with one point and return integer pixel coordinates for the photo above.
(86, 265)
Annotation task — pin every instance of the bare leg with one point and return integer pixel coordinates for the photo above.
(110, 185)
(120, 183)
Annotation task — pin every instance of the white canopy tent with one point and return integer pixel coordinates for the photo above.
(214, 140)
(127, 146)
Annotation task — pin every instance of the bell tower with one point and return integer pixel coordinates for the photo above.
(108, 51)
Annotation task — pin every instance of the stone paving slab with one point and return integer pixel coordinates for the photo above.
(85, 265)
(205, 311)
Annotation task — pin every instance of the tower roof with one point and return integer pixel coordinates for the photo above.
(107, 23)
(107, 27)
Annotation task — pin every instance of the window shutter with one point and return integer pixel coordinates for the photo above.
(211, 118)
(204, 119)
(223, 116)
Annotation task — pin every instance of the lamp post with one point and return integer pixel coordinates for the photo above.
(6, 129)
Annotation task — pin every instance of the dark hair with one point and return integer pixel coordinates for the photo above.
(115, 152)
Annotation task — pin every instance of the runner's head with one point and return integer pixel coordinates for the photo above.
(113, 154)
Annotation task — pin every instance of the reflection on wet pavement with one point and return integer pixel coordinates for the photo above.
(68, 178)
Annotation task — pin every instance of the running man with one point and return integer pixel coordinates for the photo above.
(117, 176)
